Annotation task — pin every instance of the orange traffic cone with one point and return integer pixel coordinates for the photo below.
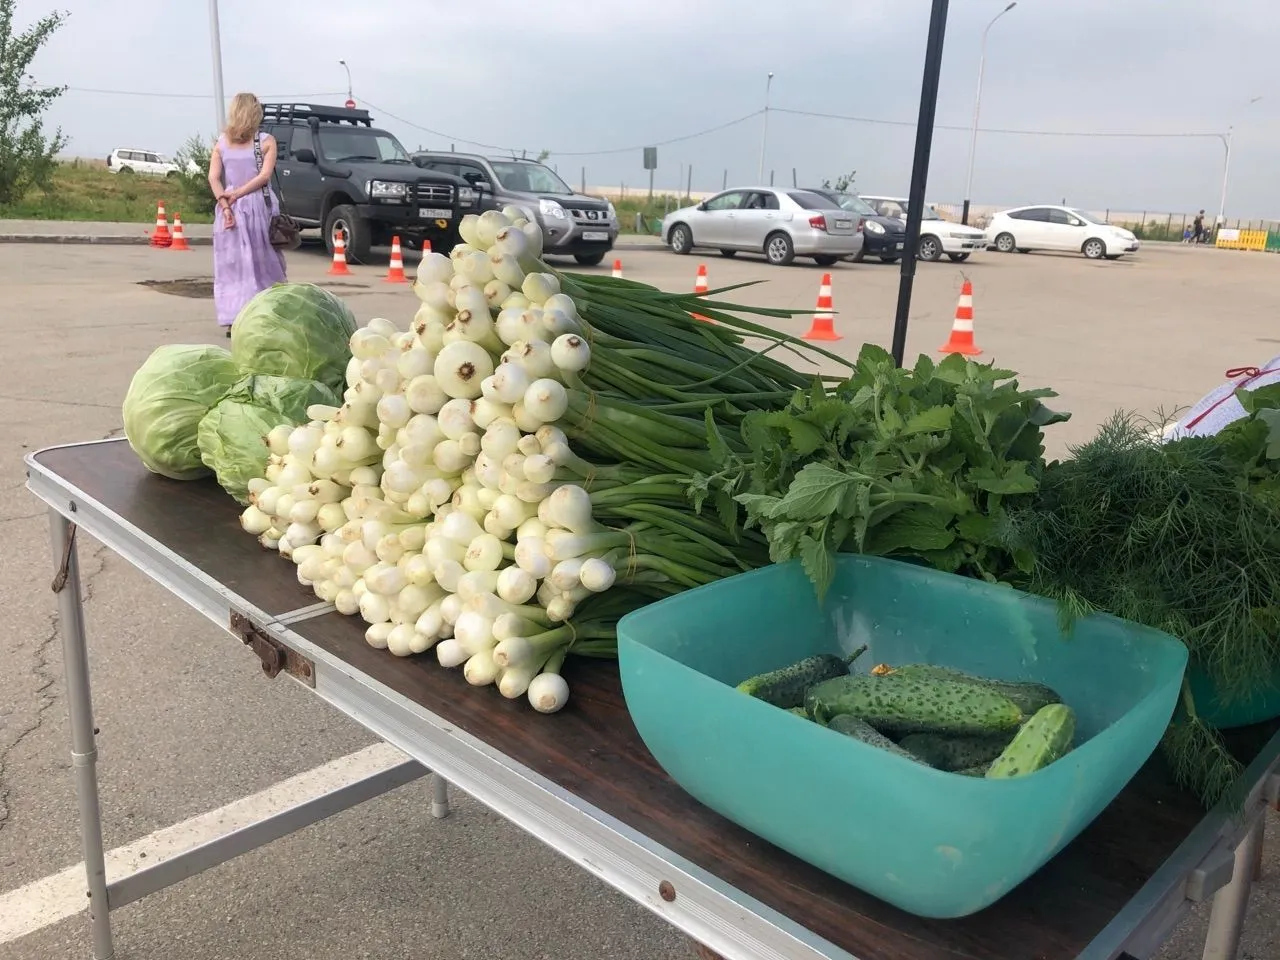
(700, 289)
(339, 266)
(617, 269)
(426, 247)
(179, 238)
(962, 329)
(823, 326)
(395, 272)
(160, 237)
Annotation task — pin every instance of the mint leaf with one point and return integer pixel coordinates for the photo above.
(759, 505)
(916, 529)
(727, 509)
(699, 487)
(1014, 479)
(783, 538)
(818, 562)
(930, 420)
(814, 494)
(1272, 419)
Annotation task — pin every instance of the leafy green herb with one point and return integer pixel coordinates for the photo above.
(912, 463)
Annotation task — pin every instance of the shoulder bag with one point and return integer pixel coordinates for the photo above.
(283, 231)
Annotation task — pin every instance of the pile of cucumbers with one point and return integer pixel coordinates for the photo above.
(932, 715)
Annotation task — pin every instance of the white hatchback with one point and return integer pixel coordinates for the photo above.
(128, 160)
(1059, 228)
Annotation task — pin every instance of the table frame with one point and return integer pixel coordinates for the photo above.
(1217, 859)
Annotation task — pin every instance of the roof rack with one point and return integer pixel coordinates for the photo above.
(280, 112)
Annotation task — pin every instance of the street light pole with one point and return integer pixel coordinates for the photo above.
(1226, 167)
(219, 98)
(977, 105)
(764, 132)
(351, 100)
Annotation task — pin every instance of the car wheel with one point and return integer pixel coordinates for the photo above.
(725, 252)
(128, 170)
(356, 232)
(1094, 249)
(680, 239)
(778, 249)
(957, 257)
(589, 259)
(885, 259)
(1005, 243)
(930, 248)
(825, 261)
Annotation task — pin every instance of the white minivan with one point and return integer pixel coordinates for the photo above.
(128, 160)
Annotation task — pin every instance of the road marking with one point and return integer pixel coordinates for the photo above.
(47, 901)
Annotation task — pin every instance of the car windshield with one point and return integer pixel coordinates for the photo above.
(856, 205)
(524, 177)
(1086, 217)
(341, 145)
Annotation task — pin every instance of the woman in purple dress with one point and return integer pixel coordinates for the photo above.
(240, 168)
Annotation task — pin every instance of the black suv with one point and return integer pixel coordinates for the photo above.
(339, 173)
(573, 224)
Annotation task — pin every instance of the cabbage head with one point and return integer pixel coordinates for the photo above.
(233, 435)
(176, 386)
(294, 330)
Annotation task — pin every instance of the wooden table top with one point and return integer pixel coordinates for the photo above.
(592, 749)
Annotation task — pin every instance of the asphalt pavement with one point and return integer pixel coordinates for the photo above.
(189, 724)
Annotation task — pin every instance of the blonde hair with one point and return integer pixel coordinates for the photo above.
(243, 118)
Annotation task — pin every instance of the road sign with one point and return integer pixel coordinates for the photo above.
(651, 158)
(350, 104)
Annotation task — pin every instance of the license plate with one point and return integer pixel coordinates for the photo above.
(434, 213)
(595, 235)
(899, 246)
(843, 224)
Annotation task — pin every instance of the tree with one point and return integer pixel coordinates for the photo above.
(843, 183)
(26, 152)
(193, 172)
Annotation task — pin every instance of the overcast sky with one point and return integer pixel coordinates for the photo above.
(593, 82)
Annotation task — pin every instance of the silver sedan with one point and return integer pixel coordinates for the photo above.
(782, 224)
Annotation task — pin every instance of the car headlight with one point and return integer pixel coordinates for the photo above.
(466, 195)
(613, 214)
(549, 208)
(387, 190)
(872, 226)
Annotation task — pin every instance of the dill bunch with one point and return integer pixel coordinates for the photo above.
(1181, 536)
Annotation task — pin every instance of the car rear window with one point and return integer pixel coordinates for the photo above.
(813, 201)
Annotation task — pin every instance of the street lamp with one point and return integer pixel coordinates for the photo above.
(977, 104)
(1226, 167)
(219, 98)
(351, 101)
(764, 132)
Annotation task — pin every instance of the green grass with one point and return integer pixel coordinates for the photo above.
(87, 190)
(627, 208)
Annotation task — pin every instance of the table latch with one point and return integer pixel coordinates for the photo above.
(275, 656)
(1212, 875)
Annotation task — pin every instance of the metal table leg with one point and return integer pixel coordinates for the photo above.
(439, 796)
(84, 753)
(1226, 921)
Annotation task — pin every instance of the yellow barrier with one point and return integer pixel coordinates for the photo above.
(1231, 239)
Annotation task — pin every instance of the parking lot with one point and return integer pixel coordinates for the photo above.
(188, 723)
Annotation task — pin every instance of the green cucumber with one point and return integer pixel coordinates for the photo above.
(785, 687)
(1029, 697)
(955, 753)
(851, 726)
(896, 704)
(1043, 739)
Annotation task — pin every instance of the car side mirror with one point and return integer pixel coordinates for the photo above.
(305, 155)
(482, 185)
(1077, 223)
(702, 206)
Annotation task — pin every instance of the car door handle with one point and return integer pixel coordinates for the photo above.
(284, 173)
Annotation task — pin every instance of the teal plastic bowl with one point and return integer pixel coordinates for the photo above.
(1259, 704)
(932, 843)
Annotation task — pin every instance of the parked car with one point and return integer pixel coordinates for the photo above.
(782, 224)
(573, 224)
(148, 162)
(1059, 228)
(938, 235)
(882, 237)
(341, 174)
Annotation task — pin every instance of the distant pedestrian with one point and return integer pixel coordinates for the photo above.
(240, 167)
(1197, 228)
